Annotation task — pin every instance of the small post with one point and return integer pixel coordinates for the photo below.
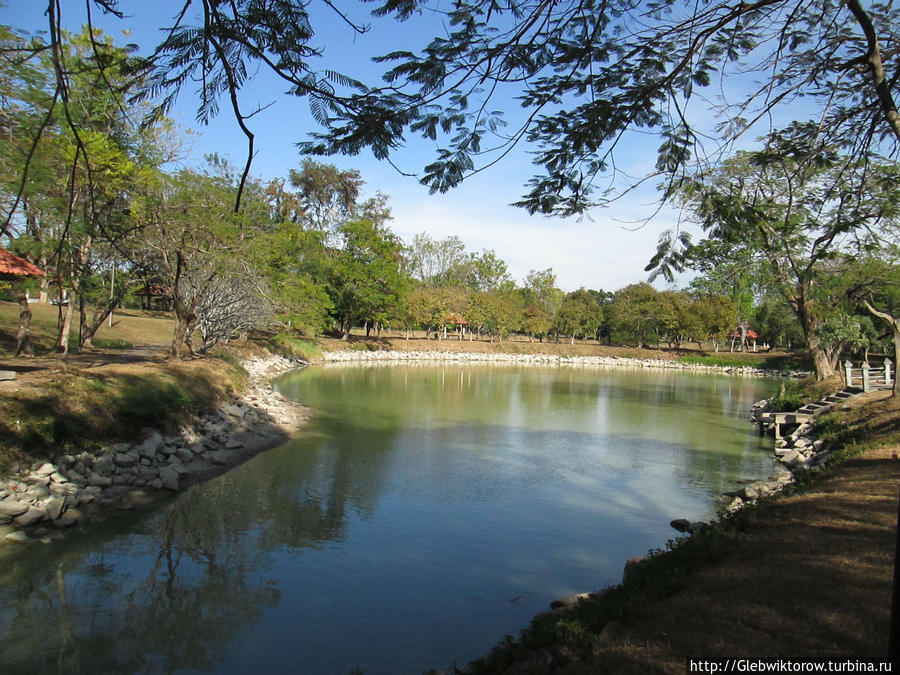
(887, 373)
(848, 372)
(865, 377)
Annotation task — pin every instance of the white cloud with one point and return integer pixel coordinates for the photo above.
(595, 253)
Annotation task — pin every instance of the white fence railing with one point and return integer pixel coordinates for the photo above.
(868, 377)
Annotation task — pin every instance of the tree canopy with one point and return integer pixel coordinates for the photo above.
(805, 214)
(585, 73)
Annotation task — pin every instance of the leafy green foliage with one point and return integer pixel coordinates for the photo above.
(587, 74)
(803, 213)
(790, 398)
(578, 314)
(365, 279)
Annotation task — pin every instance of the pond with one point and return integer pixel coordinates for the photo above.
(425, 513)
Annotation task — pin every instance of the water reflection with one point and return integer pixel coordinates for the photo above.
(426, 513)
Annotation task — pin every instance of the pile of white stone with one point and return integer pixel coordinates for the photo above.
(392, 356)
(801, 450)
(797, 453)
(56, 493)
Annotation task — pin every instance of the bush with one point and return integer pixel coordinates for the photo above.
(790, 398)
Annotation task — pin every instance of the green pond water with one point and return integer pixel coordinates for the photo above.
(425, 513)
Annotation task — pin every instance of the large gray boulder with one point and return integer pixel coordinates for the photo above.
(12, 507)
(791, 457)
(54, 506)
(103, 465)
(151, 443)
(125, 459)
(30, 517)
(98, 480)
(184, 455)
(171, 477)
(219, 457)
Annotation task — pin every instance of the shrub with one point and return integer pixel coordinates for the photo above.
(789, 399)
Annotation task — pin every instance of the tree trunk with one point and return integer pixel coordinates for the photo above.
(820, 359)
(23, 335)
(895, 330)
(100, 315)
(66, 311)
(181, 336)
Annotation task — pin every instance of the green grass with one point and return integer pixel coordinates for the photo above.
(716, 360)
(153, 401)
(294, 347)
(130, 327)
(112, 343)
(782, 363)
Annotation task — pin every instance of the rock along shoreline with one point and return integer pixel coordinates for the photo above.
(37, 501)
(393, 356)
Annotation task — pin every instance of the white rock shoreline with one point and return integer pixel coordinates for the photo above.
(37, 501)
(389, 357)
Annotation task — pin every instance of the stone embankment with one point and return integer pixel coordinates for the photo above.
(37, 500)
(389, 357)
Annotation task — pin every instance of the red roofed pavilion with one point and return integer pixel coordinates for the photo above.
(13, 267)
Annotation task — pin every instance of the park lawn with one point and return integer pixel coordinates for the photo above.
(130, 326)
(57, 405)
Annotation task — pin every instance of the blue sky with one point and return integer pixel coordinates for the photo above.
(607, 248)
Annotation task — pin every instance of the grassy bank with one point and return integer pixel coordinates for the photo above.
(56, 406)
(130, 327)
(52, 410)
(806, 574)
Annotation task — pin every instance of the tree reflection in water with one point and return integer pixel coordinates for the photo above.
(434, 495)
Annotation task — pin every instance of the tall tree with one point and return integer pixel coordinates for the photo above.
(635, 313)
(365, 276)
(196, 242)
(327, 195)
(578, 314)
(77, 167)
(438, 263)
(799, 210)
